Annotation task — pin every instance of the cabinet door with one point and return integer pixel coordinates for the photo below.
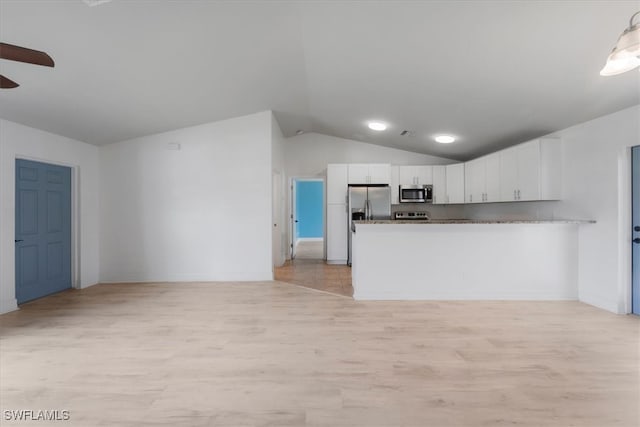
(379, 174)
(439, 185)
(337, 181)
(528, 164)
(358, 173)
(492, 178)
(395, 183)
(424, 175)
(337, 232)
(508, 175)
(474, 175)
(407, 175)
(455, 183)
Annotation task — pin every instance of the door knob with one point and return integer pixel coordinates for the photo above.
(636, 240)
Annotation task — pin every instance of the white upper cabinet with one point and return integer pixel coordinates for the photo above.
(337, 181)
(474, 177)
(375, 173)
(358, 173)
(492, 178)
(531, 171)
(448, 184)
(416, 175)
(482, 179)
(395, 183)
(439, 185)
(455, 183)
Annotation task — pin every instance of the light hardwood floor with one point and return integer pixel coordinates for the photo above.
(273, 354)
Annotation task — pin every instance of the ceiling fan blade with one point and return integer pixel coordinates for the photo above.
(23, 54)
(6, 83)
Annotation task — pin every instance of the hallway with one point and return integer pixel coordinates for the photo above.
(316, 274)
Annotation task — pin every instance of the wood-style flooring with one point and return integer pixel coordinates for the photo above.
(272, 354)
(316, 274)
(310, 249)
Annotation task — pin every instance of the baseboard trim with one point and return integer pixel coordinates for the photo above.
(7, 306)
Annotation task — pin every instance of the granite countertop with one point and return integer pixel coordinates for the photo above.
(477, 221)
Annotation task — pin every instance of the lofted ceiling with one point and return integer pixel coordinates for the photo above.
(493, 73)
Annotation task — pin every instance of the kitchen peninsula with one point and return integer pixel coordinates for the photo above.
(465, 259)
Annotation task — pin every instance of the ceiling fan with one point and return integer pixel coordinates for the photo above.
(21, 54)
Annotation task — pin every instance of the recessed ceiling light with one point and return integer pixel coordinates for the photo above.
(96, 2)
(445, 139)
(377, 125)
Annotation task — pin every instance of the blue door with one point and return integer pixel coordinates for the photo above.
(635, 185)
(43, 229)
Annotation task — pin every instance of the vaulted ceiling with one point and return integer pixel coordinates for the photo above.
(493, 73)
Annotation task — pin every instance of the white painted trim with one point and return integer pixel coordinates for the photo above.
(292, 238)
(625, 225)
(7, 306)
(480, 296)
(310, 239)
(233, 276)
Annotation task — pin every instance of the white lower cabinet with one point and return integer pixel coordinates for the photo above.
(337, 226)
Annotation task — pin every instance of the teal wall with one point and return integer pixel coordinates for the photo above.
(309, 209)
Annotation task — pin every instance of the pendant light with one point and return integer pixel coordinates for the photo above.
(625, 56)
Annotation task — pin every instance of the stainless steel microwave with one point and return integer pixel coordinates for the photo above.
(416, 194)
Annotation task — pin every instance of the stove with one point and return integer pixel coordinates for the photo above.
(424, 216)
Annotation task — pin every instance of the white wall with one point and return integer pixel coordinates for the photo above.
(596, 185)
(307, 155)
(18, 141)
(196, 214)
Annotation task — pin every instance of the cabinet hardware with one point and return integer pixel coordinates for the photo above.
(636, 240)
(20, 240)
(518, 194)
(636, 228)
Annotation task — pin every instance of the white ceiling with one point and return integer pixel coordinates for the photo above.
(494, 73)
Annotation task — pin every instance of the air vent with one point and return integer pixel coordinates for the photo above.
(407, 133)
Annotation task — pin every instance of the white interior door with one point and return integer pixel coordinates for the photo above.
(277, 219)
(294, 220)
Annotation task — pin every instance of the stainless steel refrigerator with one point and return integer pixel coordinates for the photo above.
(367, 202)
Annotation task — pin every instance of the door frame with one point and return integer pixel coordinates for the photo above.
(628, 237)
(292, 213)
(75, 215)
(625, 225)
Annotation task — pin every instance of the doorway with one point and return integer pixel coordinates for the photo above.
(42, 229)
(307, 219)
(635, 242)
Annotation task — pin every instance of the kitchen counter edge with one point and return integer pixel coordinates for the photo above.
(474, 221)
